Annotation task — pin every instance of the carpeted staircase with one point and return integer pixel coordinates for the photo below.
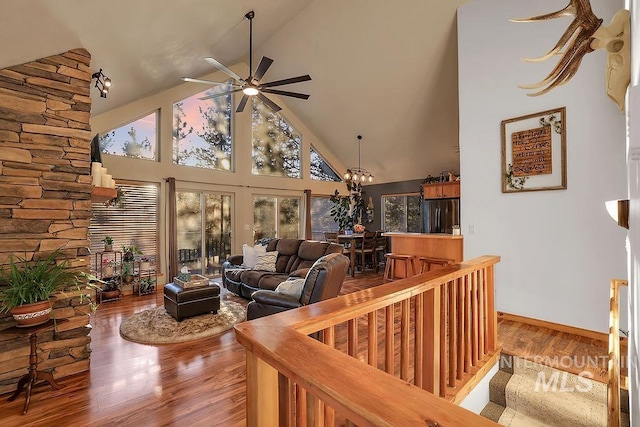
(528, 394)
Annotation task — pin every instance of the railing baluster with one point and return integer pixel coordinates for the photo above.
(468, 324)
(474, 318)
(431, 322)
(453, 333)
(492, 314)
(443, 339)
(461, 319)
(301, 407)
(404, 340)
(286, 399)
(481, 319)
(315, 411)
(352, 337)
(389, 319)
(372, 344)
(613, 384)
(418, 349)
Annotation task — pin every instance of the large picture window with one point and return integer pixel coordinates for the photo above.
(136, 140)
(276, 144)
(320, 169)
(202, 130)
(275, 216)
(401, 212)
(321, 219)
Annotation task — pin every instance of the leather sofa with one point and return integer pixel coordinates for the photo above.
(295, 257)
(323, 281)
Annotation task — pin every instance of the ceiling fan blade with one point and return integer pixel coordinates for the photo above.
(218, 95)
(275, 107)
(287, 81)
(242, 103)
(223, 68)
(207, 82)
(286, 93)
(264, 65)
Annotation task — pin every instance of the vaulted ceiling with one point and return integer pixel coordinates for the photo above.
(383, 69)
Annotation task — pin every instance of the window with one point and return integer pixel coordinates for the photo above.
(320, 169)
(276, 144)
(276, 217)
(321, 219)
(402, 213)
(137, 140)
(131, 220)
(202, 130)
(204, 231)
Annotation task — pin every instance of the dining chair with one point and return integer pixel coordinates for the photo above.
(368, 247)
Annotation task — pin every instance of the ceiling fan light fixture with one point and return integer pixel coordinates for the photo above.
(250, 90)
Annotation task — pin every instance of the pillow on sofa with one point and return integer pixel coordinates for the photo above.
(266, 261)
(291, 287)
(250, 254)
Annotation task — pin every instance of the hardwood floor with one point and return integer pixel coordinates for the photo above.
(198, 383)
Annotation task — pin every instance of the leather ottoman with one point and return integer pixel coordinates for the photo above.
(182, 303)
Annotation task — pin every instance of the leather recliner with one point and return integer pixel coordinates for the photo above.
(323, 281)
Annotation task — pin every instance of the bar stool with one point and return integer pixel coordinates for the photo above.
(390, 268)
(426, 263)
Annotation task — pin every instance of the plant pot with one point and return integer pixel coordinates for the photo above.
(107, 271)
(145, 265)
(108, 248)
(32, 314)
(106, 295)
(128, 279)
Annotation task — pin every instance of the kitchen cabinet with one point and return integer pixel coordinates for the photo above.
(441, 190)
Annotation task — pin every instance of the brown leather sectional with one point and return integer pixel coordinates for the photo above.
(295, 257)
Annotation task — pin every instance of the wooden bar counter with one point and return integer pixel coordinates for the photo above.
(430, 245)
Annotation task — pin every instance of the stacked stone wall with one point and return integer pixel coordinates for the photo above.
(45, 197)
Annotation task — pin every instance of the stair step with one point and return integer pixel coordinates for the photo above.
(493, 411)
(511, 418)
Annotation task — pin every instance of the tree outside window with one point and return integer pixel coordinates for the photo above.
(136, 140)
(402, 213)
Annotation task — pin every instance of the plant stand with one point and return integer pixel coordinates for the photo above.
(145, 280)
(116, 257)
(30, 379)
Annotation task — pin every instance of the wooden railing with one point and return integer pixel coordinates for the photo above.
(378, 357)
(613, 386)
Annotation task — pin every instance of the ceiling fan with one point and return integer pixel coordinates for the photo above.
(252, 86)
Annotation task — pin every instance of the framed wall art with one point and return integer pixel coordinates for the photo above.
(534, 152)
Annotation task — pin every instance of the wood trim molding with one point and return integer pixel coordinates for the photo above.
(600, 336)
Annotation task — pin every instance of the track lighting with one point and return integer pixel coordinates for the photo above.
(103, 83)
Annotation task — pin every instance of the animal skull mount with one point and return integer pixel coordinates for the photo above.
(584, 35)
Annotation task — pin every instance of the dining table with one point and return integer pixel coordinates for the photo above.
(352, 240)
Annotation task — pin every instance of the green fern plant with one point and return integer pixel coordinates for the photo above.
(26, 282)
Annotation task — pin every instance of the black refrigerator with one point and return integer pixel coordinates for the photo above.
(440, 215)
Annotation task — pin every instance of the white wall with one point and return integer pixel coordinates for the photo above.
(634, 226)
(559, 248)
(479, 396)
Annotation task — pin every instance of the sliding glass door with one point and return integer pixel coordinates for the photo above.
(276, 216)
(204, 231)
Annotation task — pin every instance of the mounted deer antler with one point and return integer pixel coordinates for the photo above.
(584, 35)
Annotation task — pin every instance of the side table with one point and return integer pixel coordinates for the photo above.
(30, 379)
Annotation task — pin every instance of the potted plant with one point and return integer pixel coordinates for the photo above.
(129, 252)
(127, 272)
(147, 285)
(27, 288)
(340, 211)
(107, 267)
(108, 243)
(110, 289)
(145, 263)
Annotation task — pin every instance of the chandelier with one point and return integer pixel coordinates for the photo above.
(354, 177)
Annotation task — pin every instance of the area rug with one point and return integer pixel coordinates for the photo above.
(156, 326)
